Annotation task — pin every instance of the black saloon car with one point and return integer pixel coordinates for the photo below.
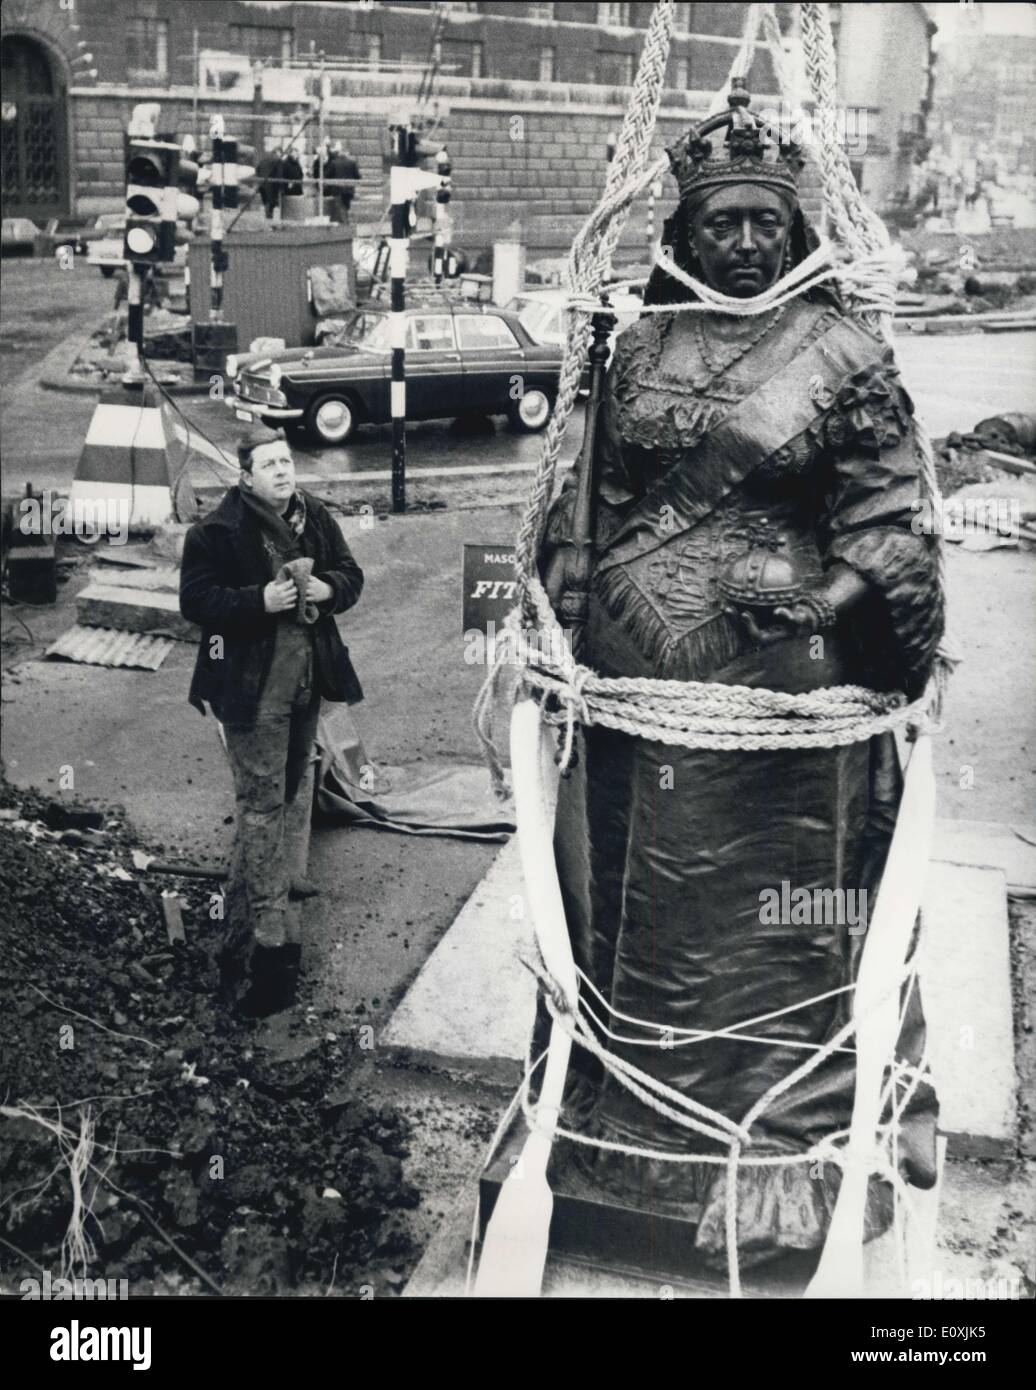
(461, 359)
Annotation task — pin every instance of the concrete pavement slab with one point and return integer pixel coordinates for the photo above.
(992, 845)
(474, 1001)
(966, 986)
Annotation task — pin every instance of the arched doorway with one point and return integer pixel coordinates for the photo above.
(33, 131)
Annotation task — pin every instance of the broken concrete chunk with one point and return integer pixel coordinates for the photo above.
(60, 815)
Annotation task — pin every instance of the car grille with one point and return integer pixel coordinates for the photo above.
(251, 388)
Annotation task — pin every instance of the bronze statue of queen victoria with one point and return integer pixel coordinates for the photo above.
(756, 483)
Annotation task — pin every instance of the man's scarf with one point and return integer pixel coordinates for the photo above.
(282, 542)
(281, 535)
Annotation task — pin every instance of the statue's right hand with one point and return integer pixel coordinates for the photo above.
(280, 595)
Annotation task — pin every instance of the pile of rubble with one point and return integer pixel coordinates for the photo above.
(146, 1131)
(167, 339)
(988, 278)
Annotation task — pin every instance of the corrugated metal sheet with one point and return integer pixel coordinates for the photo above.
(105, 646)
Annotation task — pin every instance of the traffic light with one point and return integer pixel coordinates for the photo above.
(152, 168)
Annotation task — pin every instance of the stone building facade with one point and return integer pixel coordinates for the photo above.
(885, 85)
(525, 95)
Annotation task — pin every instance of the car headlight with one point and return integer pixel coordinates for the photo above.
(275, 376)
(231, 366)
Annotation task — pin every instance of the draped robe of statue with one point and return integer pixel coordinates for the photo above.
(664, 853)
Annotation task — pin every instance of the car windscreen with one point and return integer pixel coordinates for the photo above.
(539, 318)
(370, 331)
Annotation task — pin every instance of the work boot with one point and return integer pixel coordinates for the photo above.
(273, 981)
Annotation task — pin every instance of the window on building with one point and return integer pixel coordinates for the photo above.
(261, 40)
(613, 16)
(540, 11)
(461, 58)
(682, 74)
(147, 47)
(682, 19)
(373, 53)
(546, 64)
(614, 69)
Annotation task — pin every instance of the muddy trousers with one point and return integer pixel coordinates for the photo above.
(273, 769)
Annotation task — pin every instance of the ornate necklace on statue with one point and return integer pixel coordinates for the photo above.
(716, 368)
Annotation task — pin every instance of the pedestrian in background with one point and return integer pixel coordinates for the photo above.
(291, 175)
(341, 167)
(263, 576)
(267, 172)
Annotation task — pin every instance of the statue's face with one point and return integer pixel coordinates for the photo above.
(740, 234)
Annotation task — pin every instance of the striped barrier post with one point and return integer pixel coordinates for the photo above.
(405, 182)
(224, 179)
(135, 275)
(442, 198)
(399, 251)
(212, 341)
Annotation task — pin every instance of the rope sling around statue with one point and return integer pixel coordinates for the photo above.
(555, 690)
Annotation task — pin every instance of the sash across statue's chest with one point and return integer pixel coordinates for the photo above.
(750, 432)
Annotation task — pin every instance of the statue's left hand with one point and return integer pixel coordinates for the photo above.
(793, 620)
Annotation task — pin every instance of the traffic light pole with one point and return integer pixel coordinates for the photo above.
(212, 341)
(399, 251)
(135, 276)
(405, 182)
(218, 262)
(442, 198)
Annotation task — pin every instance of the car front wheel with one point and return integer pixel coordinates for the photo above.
(332, 419)
(531, 411)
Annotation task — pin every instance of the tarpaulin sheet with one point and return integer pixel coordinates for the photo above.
(455, 800)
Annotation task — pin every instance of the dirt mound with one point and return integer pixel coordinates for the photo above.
(208, 1160)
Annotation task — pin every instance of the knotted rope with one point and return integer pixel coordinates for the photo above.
(697, 714)
(690, 1115)
(703, 715)
(685, 714)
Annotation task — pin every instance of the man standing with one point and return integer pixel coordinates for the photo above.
(263, 577)
(268, 172)
(340, 169)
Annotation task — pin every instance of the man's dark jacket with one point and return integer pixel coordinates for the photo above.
(222, 576)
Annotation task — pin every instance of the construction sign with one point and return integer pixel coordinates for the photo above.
(490, 585)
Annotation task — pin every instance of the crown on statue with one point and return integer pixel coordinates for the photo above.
(751, 151)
